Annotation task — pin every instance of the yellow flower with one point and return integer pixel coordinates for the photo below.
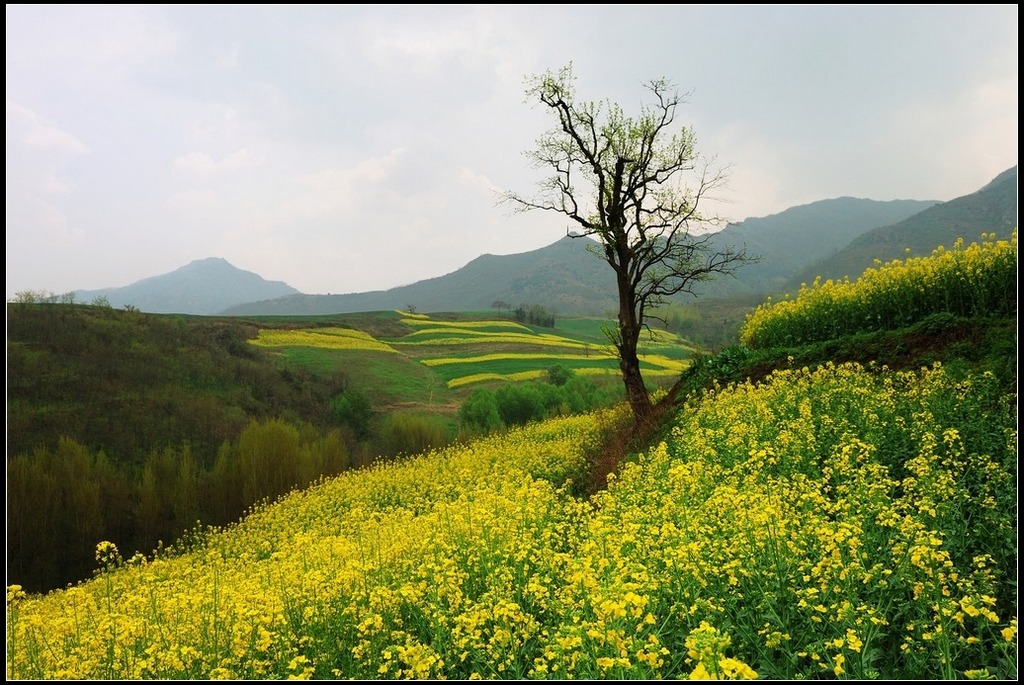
(734, 669)
(106, 553)
(701, 673)
(839, 661)
(852, 641)
(1010, 631)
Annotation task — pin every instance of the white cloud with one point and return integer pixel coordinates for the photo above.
(34, 132)
(478, 181)
(53, 223)
(93, 45)
(38, 185)
(433, 40)
(325, 136)
(335, 191)
(228, 58)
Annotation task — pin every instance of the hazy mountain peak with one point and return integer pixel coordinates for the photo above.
(203, 286)
(1010, 175)
(209, 261)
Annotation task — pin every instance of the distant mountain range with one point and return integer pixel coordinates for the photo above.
(563, 277)
(801, 236)
(991, 209)
(205, 286)
(832, 238)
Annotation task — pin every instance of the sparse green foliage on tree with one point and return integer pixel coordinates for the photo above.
(623, 180)
(34, 297)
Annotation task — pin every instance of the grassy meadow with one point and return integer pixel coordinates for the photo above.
(831, 521)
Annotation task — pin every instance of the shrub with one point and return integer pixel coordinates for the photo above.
(520, 404)
(407, 434)
(352, 408)
(480, 411)
(559, 375)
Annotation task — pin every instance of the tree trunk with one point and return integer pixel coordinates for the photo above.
(629, 362)
(639, 400)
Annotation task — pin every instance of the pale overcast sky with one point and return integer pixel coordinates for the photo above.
(349, 148)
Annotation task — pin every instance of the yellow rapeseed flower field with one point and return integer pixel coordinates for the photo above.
(838, 522)
(976, 280)
(328, 338)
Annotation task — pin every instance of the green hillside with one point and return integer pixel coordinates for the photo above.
(790, 241)
(125, 381)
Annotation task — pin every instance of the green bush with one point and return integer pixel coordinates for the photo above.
(559, 375)
(514, 405)
(581, 394)
(408, 434)
(520, 404)
(352, 408)
(480, 411)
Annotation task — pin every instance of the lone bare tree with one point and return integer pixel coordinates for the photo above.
(621, 180)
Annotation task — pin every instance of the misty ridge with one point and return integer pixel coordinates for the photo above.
(832, 239)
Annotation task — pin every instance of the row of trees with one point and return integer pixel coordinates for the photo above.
(563, 392)
(62, 501)
(533, 314)
(47, 297)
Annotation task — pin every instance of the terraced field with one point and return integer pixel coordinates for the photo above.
(411, 359)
